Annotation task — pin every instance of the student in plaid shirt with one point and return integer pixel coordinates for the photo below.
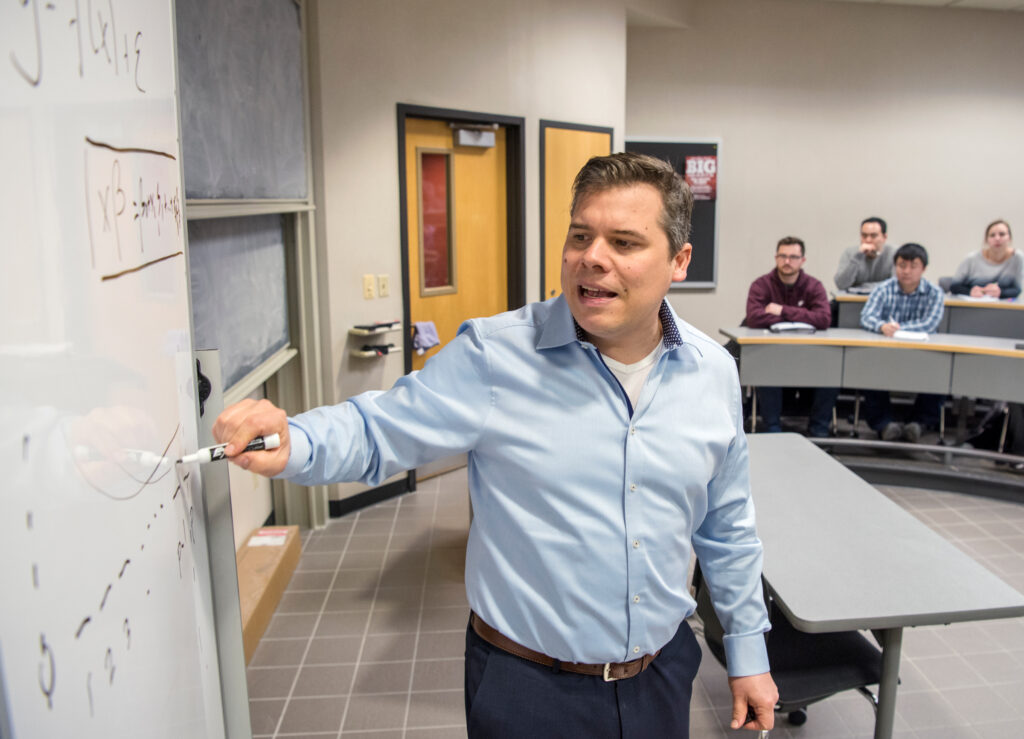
(910, 302)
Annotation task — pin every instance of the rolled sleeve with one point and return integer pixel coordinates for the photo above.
(730, 554)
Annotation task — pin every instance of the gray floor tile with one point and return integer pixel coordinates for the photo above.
(301, 580)
(445, 595)
(368, 543)
(382, 677)
(454, 732)
(442, 645)
(356, 599)
(278, 652)
(313, 714)
(270, 682)
(291, 625)
(334, 650)
(441, 674)
(445, 708)
(319, 561)
(354, 580)
(324, 544)
(978, 704)
(408, 597)
(417, 542)
(386, 620)
(362, 560)
(264, 715)
(376, 712)
(389, 647)
(302, 601)
(324, 680)
(342, 623)
(447, 618)
(947, 672)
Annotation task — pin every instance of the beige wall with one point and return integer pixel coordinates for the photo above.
(831, 112)
(562, 60)
(555, 59)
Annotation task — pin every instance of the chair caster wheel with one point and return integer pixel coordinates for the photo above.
(798, 717)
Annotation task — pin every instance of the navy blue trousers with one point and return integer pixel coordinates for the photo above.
(878, 409)
(508, 697)
(769, 403)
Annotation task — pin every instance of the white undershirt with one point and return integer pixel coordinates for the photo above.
(633, 376)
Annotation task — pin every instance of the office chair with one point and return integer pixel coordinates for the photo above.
(806, 667)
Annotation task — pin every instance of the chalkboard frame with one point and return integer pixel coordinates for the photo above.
(704, 234)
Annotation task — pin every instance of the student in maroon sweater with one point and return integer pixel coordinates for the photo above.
(787, 293)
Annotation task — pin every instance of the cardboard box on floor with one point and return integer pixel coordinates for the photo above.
(265, 565)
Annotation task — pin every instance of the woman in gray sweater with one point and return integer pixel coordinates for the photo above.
(996, 270)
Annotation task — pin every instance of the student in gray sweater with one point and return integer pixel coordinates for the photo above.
(995, 270)
(868, 263)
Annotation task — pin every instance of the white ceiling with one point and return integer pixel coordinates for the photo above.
(982, 4)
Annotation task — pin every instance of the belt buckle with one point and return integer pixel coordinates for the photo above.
(607, 675)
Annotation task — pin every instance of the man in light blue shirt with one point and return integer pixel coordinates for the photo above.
(905, 302)
(605, 445)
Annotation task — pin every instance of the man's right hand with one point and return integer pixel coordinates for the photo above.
(868, 250)
(241, 423)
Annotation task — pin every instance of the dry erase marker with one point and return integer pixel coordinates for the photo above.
(214, 453)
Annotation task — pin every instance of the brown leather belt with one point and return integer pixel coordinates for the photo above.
(610, 671)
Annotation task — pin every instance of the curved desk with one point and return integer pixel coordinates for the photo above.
(948, 364)
(840, 556)
(1000, 318)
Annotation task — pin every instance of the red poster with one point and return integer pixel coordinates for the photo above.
(702, 176)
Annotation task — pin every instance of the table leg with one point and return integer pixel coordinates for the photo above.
(753, 409)
(892, 642)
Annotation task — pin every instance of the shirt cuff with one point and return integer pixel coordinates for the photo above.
(301, 451)
(746, 655)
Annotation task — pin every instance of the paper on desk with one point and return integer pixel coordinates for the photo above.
(905, 335)
(789, 326)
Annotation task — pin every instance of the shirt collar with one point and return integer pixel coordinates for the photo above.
(921, 289)
(561, 328)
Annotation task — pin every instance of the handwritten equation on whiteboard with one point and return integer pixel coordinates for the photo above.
(134, 208)
(89, 29)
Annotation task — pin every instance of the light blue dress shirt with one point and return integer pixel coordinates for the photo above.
(920, 310)
(584, 508)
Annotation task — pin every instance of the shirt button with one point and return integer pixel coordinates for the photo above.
(636, 543)
(636, 598)
(636, 649)
(632, 430)
(633, 486)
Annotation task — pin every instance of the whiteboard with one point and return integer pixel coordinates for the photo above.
(106, 628)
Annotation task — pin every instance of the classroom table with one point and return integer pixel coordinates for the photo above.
(840, 556)
(999, 318)
(947, 364)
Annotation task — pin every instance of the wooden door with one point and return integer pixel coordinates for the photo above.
(566, 150)
(473, 281)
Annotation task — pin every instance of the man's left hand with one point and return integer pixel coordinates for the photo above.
(753, 702)
(774, 308)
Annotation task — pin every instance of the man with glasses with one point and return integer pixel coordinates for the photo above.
(787, 293)
(868, 263)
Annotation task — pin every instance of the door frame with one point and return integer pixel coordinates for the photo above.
(544, 125)
(515, 203)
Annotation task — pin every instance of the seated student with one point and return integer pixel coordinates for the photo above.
(910, 302)
(787, 293)
(996, 270)
(868, 263)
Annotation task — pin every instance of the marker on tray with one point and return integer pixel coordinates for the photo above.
(215, 453)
